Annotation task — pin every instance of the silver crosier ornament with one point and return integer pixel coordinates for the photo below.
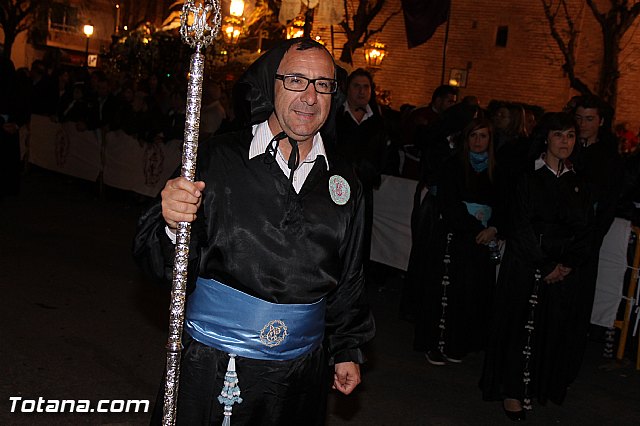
(200, 23)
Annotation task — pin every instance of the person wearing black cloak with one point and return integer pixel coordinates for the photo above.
(276, 249)
(595, 158)
(362, 140)
(438, 143)
(538, 292)
(460, 275)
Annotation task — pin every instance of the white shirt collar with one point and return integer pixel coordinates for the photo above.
(262, 137)
(540, 163)
(368, 112)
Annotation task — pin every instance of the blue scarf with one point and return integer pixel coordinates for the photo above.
(479, 161)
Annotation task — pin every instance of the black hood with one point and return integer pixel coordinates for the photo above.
(253, 93)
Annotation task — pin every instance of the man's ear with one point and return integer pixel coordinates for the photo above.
(601, 122)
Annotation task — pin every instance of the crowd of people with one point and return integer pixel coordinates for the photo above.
(535, 194)
(511, 210)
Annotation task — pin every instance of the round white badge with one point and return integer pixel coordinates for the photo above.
(339, 190)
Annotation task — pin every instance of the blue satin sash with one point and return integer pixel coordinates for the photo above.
(235, 322)
(482, 212)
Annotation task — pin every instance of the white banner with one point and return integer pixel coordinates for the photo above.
(64, 149)
(139, 166)
(128, 164)
(391, 235)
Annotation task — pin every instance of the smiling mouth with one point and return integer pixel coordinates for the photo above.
(304, 114)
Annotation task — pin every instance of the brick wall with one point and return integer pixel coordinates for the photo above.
(528, 69)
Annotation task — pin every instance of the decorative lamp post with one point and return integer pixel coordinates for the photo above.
(231, 30)
(88, 31)
(233, 23)
(117, 18)
(374, 53)
(295, 29)
(236, 8)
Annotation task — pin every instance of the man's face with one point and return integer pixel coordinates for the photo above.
(589, 122)
(502, 118)
(443, 103)
(359, 92)
(302, 114)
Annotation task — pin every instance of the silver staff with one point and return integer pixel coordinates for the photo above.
(199, 25)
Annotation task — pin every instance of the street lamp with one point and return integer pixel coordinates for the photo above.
(374, 53)
(117, 18)
(232, 27)
(231, 31)
(87, 30)
(236, 8)
(296, 28)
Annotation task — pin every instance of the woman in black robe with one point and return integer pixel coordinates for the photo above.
(535, 305)
(460, 273)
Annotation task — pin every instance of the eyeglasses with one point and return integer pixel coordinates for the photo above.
(297, 83)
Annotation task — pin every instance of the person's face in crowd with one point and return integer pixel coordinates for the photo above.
(560, 143)
(127, 94)
(444, 103)
(529, 121)
(139, 103)
(153, 82)
(77, 94)
(214, 91)
(103, 89)
(63, 79)
(589, 122)
(359, 92)
(479, 140)
(502, 118)
(302, 114)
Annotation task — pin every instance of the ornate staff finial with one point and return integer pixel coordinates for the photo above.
(200, 23)
(199, 27)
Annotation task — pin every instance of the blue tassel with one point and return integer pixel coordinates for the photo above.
(231, 391)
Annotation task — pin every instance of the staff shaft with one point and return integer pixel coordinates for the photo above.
(183, 237)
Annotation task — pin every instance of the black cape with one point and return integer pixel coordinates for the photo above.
(551, 223)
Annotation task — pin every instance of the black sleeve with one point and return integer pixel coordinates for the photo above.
(582, 226)
(349, 322)
(450, 201)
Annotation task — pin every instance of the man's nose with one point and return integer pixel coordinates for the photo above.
(309, 96)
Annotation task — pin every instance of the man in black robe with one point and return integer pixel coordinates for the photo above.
(362, 140)
(596, 158)
(277, 221)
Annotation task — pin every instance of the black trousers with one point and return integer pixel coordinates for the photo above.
(292, 392)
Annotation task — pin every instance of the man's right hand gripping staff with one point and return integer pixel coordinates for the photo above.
(181, 200)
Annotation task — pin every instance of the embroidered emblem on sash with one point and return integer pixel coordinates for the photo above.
(273, 333)
(339, 190)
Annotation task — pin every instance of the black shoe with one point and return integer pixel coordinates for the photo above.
(516, 416)
(435, 358)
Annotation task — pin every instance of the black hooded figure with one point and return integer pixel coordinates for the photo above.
(268, 234)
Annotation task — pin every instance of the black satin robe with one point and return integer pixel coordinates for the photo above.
(551, 222)
(471, 273)
(254, 233)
